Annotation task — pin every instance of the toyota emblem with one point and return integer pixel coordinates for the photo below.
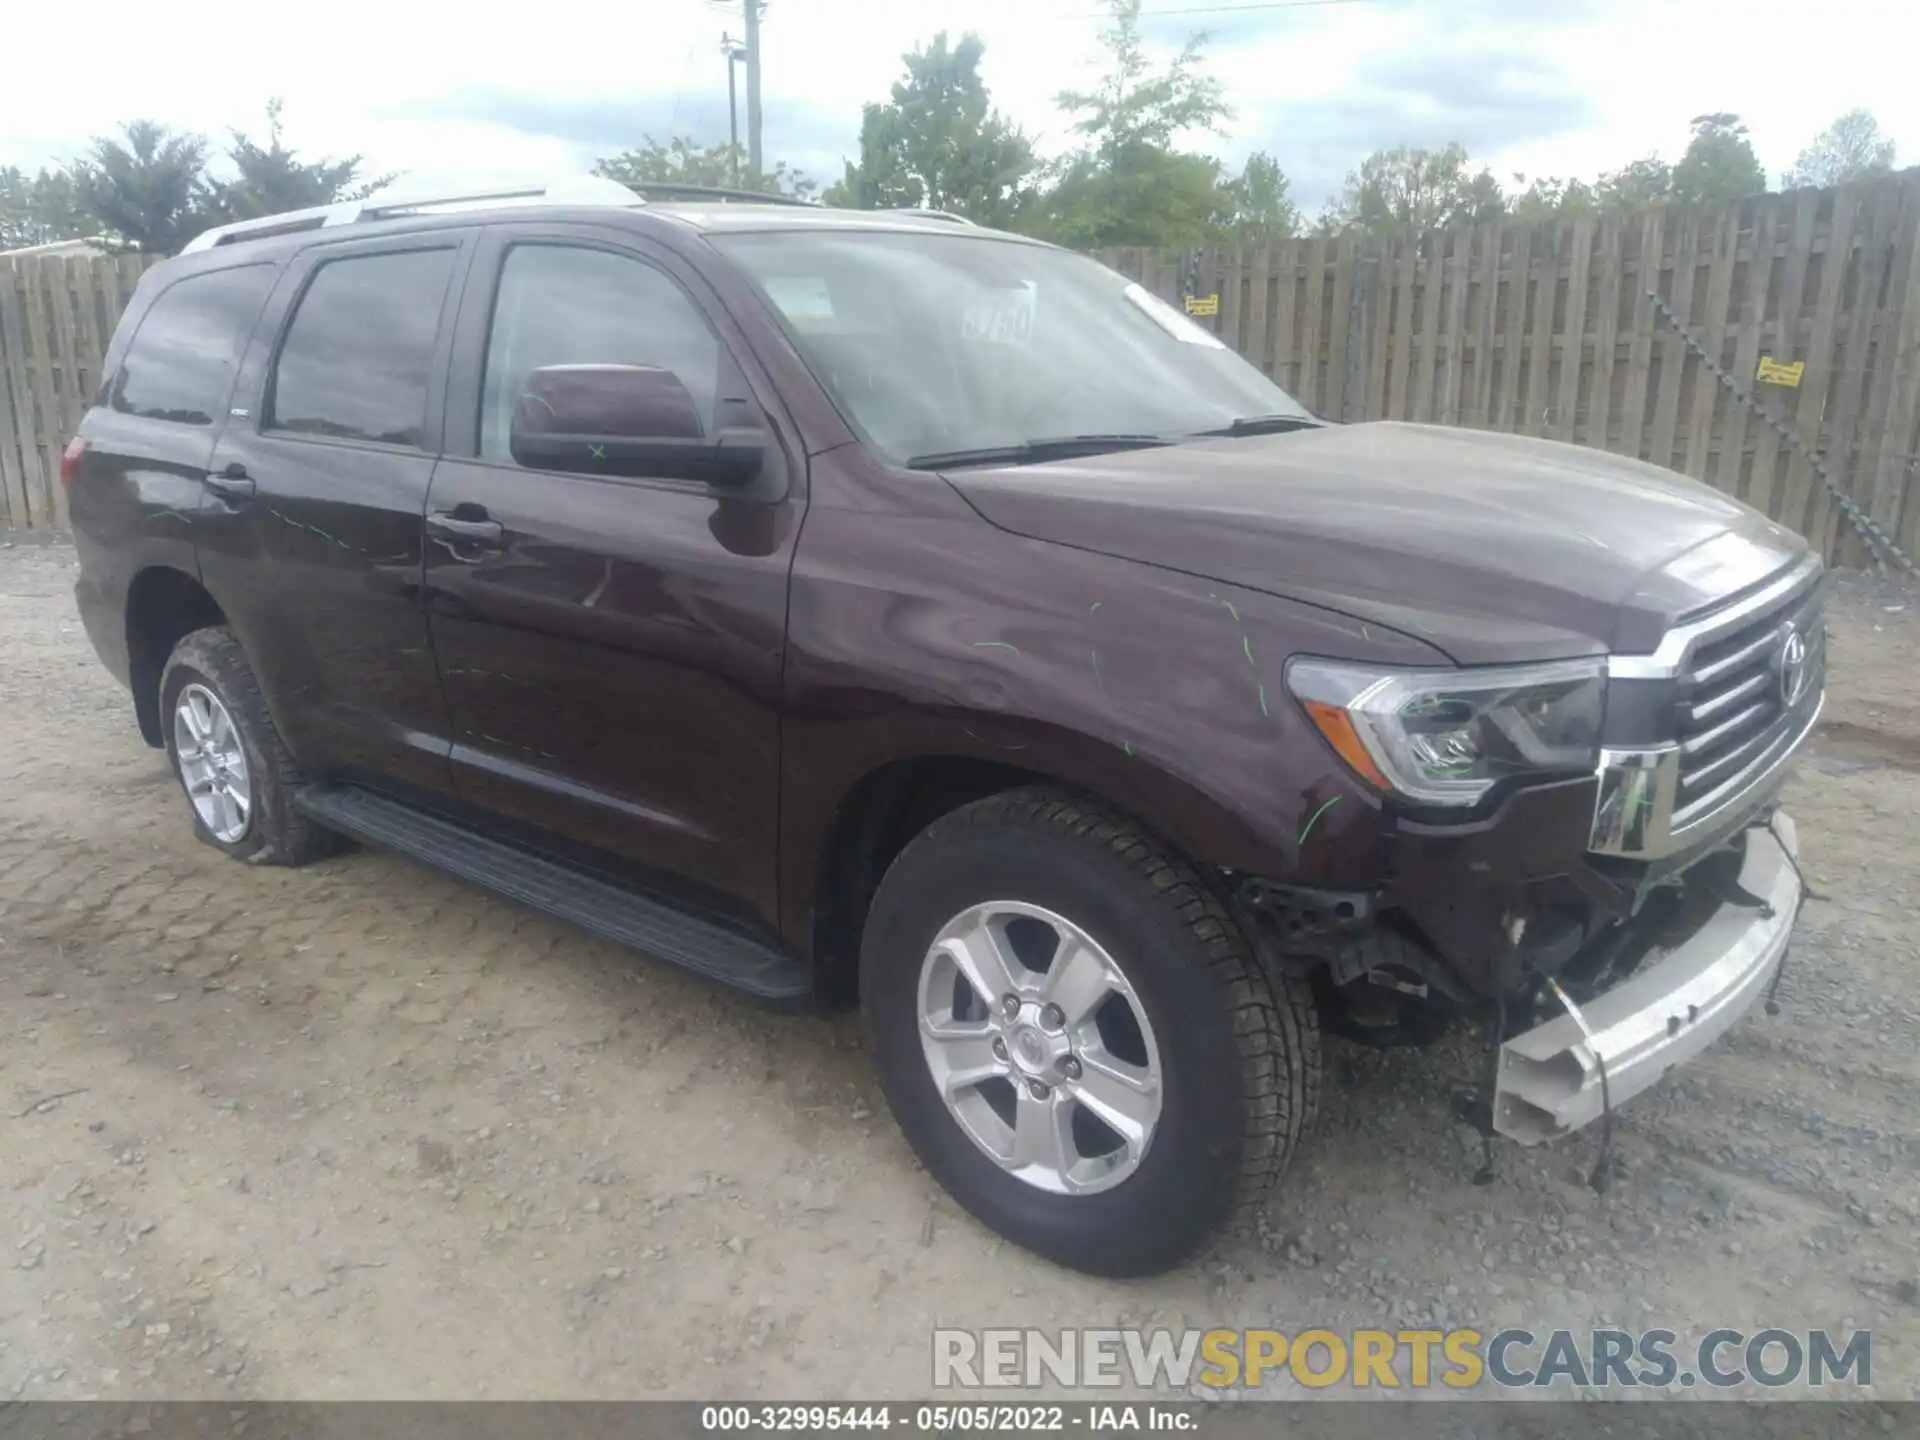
(1793, 668)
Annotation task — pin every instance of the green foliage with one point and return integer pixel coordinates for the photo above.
(938, 143)
(1551, 198)
(38, 209)
(1632, 187)
(1849, 149)
(1257, 208)
(1719, 163)
(143, 190)
(1128, 185)
(1408, 189)
(680, 161)
(271, 179)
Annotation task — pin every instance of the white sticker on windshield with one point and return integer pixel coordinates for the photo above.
(1171, 320)
(800, 297)
(1006, 319)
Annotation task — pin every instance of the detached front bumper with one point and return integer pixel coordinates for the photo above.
(1664, 1013)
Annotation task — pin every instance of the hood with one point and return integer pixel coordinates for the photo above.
(1491, 547)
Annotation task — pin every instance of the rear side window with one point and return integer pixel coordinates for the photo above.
(181, 362)
(358, 356)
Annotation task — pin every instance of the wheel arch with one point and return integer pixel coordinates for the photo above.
(894, 801)
(164, 605)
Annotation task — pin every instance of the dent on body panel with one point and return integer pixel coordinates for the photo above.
(1163, 692)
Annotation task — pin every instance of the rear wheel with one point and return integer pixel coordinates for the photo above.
(238, 775)
(1075, 1036)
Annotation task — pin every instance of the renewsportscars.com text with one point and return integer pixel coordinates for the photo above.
(1511, 1358)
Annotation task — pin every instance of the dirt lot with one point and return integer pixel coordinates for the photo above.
(359, 1131)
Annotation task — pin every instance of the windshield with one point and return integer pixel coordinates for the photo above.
(940, 344)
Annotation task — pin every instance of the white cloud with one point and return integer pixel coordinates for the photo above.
(1541, 86)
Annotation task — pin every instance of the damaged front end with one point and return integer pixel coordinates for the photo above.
(1604, 928)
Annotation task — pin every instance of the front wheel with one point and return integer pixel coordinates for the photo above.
(1075, 1036)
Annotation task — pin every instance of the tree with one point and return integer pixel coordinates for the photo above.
(271, 179)
(1257, 208)
(1635, 185)
(1408, 189)
(1719, 163)
(938, 143)
(681, 162)
(1128, 185)
(1852, 147)
(38, 209)
(1551, 198)
(144, 189)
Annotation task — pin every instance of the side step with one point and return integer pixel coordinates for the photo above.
(596, 905)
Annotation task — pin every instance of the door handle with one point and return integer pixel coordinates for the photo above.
(233, 482)
(473, 528)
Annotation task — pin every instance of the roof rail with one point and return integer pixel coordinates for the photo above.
(933, 214)
(675, 190)
(565, 190)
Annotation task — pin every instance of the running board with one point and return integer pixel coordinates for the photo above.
(564, 892)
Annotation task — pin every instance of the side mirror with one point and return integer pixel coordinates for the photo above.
(625, 420)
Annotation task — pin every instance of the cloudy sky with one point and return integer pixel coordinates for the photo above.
(1566, 87)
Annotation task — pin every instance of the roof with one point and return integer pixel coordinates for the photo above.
(696, 206)
(739, 216)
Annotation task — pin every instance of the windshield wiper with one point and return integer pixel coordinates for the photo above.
(1263, 425)
(1033, 452)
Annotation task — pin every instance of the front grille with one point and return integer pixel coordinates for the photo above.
(1733, 715)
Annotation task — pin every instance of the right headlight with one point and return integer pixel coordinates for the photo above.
(1446, 737)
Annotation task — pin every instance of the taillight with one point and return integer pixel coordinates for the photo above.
(70, 459)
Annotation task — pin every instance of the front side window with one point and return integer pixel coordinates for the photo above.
(941, 342)
(181, 362)
(359, 355)
(567, 305)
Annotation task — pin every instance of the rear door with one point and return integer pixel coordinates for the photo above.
(611, 645)
(150, 438)
(311, 540)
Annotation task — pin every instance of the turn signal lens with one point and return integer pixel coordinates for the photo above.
(1337, 726)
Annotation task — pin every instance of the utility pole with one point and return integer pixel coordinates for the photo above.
(735, 52)
(752, 8)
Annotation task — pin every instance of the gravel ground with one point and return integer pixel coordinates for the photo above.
(358, 1131)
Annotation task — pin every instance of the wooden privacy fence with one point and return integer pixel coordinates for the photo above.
(1545, 329)
(57, 314)
(1539, 328)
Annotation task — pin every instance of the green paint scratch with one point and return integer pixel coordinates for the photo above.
(1247, 645)
(1127, 745)
(599, 452)
(1095, 606)
(1314, 819)
(1263, 699)
(995, 645)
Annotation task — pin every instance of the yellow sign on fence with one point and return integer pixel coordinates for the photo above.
(1778, 372)
(1203, 304)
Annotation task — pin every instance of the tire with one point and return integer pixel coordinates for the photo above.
(274, 833)
(1238, 1049)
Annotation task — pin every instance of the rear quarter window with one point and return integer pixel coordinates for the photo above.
(180, 364)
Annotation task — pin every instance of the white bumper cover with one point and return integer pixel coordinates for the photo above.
(1664, 1013)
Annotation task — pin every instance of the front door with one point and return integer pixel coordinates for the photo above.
(311, 540)
(611, 646)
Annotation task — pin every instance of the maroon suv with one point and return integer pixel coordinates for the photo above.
(871, 607)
